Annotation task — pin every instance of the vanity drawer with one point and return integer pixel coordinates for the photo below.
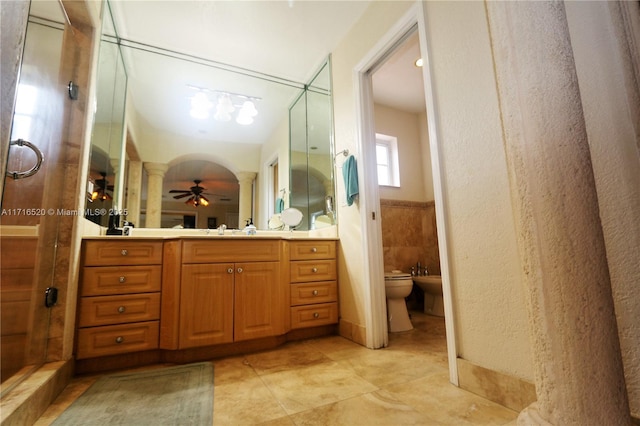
(117, 339)
(122, 252)
(314, 315)
(317, 292)
(313, 270)
(109, 280)
(307, 250)
(107, 310)
(228, 250)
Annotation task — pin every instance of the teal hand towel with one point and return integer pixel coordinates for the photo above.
(279, 205)
(350, 175)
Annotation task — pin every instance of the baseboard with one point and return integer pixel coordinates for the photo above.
(29, 400)
(354, 332)
(506, 390)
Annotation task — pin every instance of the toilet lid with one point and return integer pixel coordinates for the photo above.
(396, 275)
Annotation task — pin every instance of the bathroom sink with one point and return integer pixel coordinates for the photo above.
(427, 279)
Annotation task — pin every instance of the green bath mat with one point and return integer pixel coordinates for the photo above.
(180, 395)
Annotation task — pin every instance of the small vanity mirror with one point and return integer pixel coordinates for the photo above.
(291, 217)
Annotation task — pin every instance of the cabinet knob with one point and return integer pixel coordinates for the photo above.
(122, 279)
(315, 292)
(230, 271)
(119, 339)
(314, 269)
(314, 250)
(124, 252)
(121, 309)
(239, 270)
(316, 315)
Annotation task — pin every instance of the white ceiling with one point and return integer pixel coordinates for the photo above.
(240, 46)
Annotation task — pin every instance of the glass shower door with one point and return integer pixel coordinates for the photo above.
(32, 191)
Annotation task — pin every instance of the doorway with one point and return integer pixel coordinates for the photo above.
(412, 22)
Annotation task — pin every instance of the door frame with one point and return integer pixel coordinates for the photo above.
(375, 298)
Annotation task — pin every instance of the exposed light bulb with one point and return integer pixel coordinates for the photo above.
(419, 62)
(200, 106)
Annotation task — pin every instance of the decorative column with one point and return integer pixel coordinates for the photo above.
(156, 173)
(577, 360)
(245, 208)
(134, 185)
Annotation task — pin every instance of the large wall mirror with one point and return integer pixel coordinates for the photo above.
(312, 171)
(215, 138)
(105, 193)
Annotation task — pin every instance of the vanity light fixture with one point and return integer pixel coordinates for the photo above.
(419, 62)
(226, 104)
(200, 106)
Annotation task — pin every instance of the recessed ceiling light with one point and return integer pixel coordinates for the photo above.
(418, 62)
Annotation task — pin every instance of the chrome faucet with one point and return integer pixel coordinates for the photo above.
(418, 269)
(221, 229)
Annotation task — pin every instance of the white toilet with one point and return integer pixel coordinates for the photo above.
(398, 286)
(431, 285)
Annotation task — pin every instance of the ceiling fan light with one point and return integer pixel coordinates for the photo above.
(203, 201)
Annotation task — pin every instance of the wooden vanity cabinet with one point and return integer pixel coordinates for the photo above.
(314, 286)
(230, 291)
(119, 304)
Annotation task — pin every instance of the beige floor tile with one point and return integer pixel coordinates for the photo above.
(449, 405)
(384, 367)
(310, 387)
(245, 402)
(338, 348)
(375, 408)
(290, 356)
(230, 370)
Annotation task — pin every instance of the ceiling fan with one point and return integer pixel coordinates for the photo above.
(196, 194)
(100, 193)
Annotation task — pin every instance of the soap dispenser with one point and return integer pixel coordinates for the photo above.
(250, 229)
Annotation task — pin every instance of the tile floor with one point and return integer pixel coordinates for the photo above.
(332, 381)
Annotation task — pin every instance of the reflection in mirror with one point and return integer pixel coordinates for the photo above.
(186, 100)
(311, 134)
(104, 193)
(214, 188)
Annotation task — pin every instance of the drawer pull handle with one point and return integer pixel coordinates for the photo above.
(316, 315)
(315, 292)
(119, 339)
(314, 269)
(239, 270)
(124, 252)
(121, 309)
(230, 271)
(314, 250)
(122, 279)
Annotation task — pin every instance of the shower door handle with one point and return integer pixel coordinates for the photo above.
(34, 169)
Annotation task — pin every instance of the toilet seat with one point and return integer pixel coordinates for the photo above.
(392, 276)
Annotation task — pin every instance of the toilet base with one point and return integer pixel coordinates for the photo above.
(398, 316)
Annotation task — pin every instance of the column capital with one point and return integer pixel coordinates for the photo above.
(156, 169)
(246, 177)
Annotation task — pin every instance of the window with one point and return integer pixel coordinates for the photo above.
(387, 160)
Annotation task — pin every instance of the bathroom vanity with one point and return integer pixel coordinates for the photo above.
(183, 299)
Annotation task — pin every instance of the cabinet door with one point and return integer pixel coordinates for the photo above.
(206, 305)
(259, 301)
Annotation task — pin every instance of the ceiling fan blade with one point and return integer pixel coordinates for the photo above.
(177, 197)
(179, 190)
